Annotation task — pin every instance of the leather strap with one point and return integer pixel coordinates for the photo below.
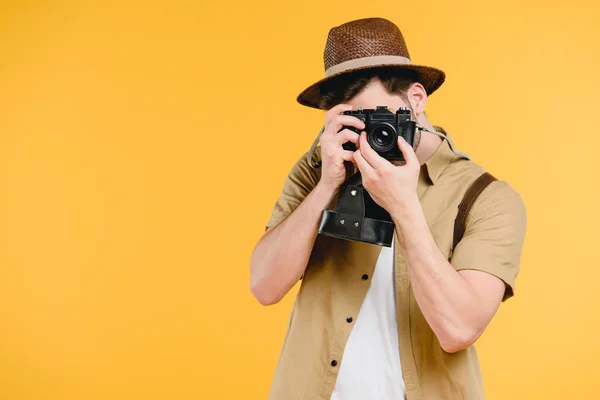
(357, 216)
(465, 205)
(367, 230)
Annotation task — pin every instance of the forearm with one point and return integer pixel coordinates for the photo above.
(446, 299)
(281, 256)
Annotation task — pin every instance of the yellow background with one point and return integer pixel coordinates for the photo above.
(143, 144)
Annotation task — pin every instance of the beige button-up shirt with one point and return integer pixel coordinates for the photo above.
(339, 273)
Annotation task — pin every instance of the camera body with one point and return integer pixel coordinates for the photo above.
(383, 128)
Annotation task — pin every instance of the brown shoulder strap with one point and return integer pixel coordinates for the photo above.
(465, 205)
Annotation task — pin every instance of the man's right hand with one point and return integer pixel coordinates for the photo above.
(333, 155)
(281, 256)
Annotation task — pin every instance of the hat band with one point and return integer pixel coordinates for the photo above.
(366, 62)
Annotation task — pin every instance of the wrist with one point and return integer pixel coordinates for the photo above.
(407, 209)
(327, 188)
(326, 191)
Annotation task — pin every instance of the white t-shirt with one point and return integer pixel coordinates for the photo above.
(370, 367)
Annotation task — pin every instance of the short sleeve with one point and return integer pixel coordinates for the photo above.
(494, 235)
(300, 181)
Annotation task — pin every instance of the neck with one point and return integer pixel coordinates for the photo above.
(429, 142)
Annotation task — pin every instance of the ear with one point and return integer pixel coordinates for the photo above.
(417, 95)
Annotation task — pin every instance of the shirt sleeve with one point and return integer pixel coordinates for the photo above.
(494, 235)
(300, 181)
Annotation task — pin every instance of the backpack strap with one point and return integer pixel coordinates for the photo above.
(465, 205)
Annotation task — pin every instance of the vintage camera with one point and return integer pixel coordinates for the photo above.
(383, 128)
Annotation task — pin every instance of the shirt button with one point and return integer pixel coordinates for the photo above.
(349, 319)
(365, 277)
(333, 363)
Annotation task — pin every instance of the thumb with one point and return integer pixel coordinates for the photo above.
(407, 151)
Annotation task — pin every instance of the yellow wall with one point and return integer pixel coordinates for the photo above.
(143, 144)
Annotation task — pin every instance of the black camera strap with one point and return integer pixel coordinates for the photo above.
(357, 216)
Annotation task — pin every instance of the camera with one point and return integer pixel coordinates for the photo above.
(383, 128)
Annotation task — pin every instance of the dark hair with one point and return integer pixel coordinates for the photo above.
(344, 87)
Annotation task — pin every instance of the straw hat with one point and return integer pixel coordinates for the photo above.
(364, 44)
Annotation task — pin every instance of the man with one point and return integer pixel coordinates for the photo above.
(373, 322)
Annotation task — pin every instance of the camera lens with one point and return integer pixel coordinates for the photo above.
(382, 137)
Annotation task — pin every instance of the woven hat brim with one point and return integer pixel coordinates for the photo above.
(431, 79)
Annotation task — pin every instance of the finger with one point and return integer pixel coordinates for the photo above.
(347, 136)
(348, 120)
(336, 124)
(408, 152)
(365, 168)
(336, 110)
(347, 155)
(339, 155)
(344, 156)
(333, 144)
(371, 155)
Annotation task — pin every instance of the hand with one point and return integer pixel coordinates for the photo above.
(333, 172)
(392, 187)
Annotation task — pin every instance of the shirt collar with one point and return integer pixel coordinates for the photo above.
(441, 158)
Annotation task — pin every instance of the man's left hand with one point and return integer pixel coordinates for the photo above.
(392, 187)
